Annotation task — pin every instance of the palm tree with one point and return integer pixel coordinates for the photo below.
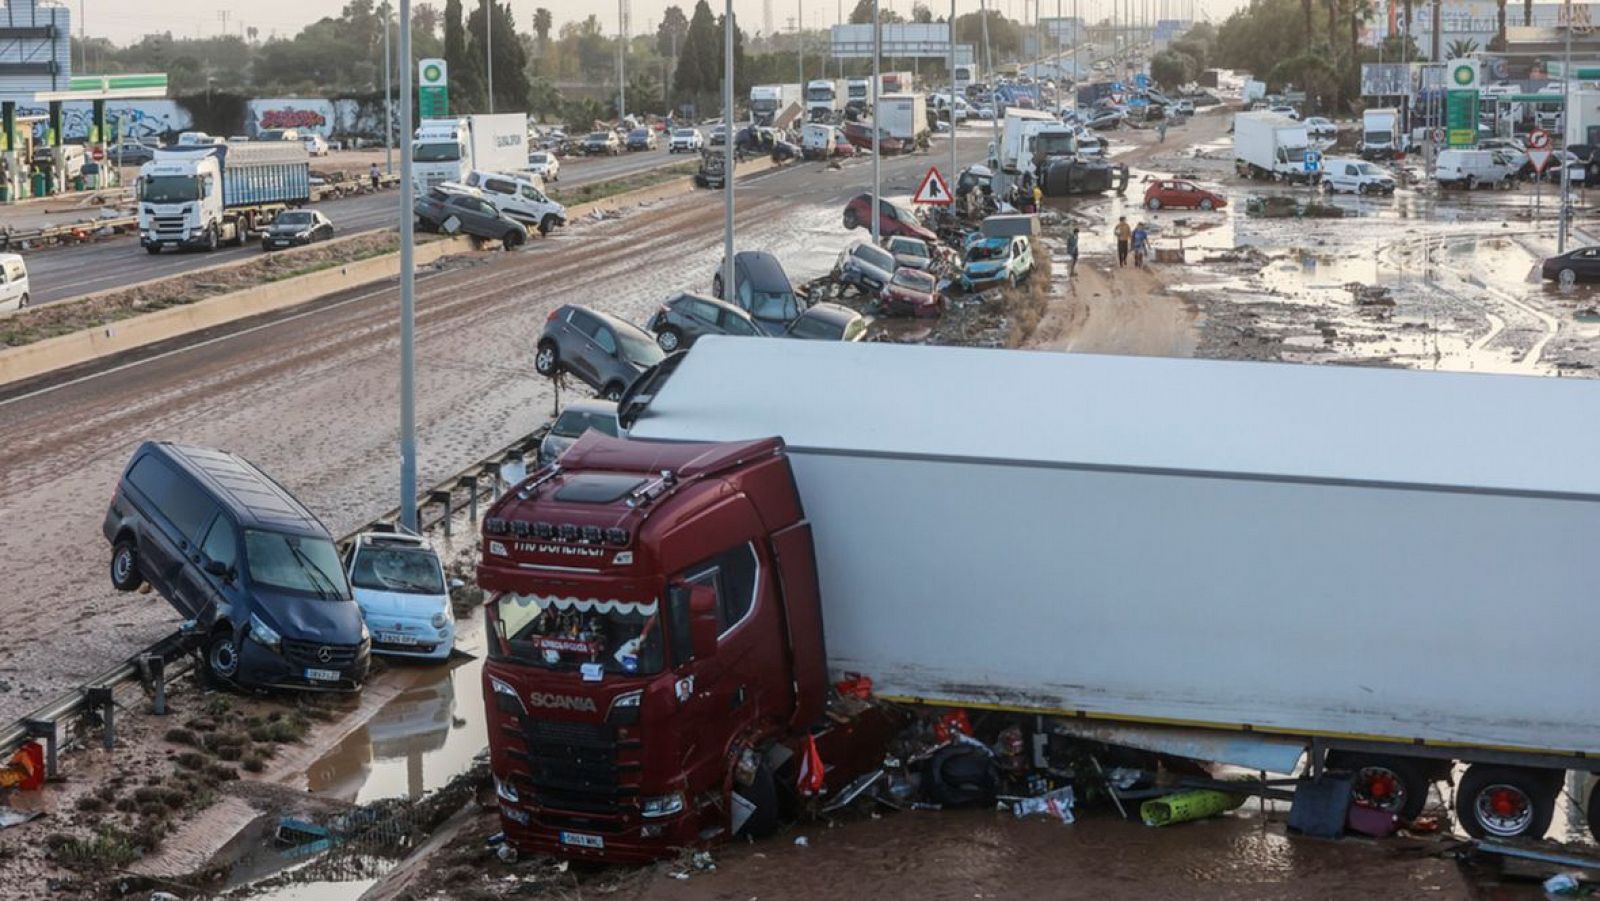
(1527, 13)
(1405, 49)
(1500, 25)
(542, 23)
(1462, 47)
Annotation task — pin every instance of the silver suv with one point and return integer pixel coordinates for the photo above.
(605, 352)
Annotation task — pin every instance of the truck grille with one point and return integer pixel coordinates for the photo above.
(573, 766)
(168, 225)
(309, 653)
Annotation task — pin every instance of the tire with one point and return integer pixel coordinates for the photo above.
(547, 360)
(612, 392)
(670, 339)
(125, 565)
(1472, 182)
(1566, 278)
(1506, 801)
(1397, 785)
(546, 226)
(212, 241)
(1592, 811)
(851, 220)
(222, 655)
(24, 301)
(1207, 205)
(427, 225)
(716, 286)
(1361, 189)
(1153, 203)
(511, 241)
(152, 249)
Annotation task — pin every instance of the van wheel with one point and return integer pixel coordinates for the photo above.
(1472, 182)
(125, 565)
(1397, 785)
(547, 362)
(222, 655)
(547, 225)
(670, 339)
(24, 301)
(612, 392)
(1506, 801)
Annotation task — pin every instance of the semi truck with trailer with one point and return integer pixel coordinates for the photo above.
(447, 150)
(825, 99)
(767, 101)
(1281, 567)
(206, 195)
(1271, 146)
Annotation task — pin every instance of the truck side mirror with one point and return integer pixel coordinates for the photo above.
(703, 621)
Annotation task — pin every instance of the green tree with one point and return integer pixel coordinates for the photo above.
(1171, 69)
(921, 14)
(543, 98)
(700, 57)
(542, 23)
(670, 33)
(1461, 47)
(510, 62)
(466, 89)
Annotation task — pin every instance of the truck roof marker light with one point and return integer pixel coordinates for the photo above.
(592, 534)
(494, 525)
(617, 536)
(519, 528)
(544, 530)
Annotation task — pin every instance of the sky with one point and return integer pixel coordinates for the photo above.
(124, 22)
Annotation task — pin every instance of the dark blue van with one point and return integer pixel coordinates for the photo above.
(251, 567)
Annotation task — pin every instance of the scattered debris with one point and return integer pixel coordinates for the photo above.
(1370, 295)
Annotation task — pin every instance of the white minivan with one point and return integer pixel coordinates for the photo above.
(13, 282)
(1471, 168)
(1355, 176)
(519, 197)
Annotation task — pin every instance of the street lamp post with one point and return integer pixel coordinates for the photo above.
(877, 156)
(408, 303)
(488, 47)
(388, 97)
(727, 151)
(622, 61)
(954, 160)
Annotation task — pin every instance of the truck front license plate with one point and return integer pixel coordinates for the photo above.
(583, 840)
(322, 675)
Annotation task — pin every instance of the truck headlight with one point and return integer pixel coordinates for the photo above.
(505, 697)
(505, 790)
(263, 634)
(662, 805)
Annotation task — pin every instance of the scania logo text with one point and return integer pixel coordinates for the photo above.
(563, 702)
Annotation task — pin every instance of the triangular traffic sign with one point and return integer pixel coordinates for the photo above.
(1540, 159)
(933, 190)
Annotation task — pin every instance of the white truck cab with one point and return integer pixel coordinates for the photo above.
(1355, 176)
(519, 197)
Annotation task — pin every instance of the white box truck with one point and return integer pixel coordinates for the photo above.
(903, 117)
(1014, 155)
(1270, 146)
(446, 150)
(205, 195)
(1381, 135)
(858, 94)
(767, 101)
(825, 99)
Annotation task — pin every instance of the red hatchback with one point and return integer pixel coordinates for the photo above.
(912, 292)
(892, 220)
(1171, 192)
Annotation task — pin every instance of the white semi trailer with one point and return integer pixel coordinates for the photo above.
(1261, 564)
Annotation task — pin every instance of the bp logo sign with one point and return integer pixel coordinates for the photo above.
(1464, 74)
(432, 72)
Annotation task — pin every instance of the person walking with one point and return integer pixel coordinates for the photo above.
(1161, 132)
(1072, 249)
(375, 175)
(1124, 233)
(1141, 244)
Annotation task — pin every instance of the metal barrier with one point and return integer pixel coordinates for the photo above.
(170, 657)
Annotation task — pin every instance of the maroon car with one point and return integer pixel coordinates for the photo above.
(860, 135)
(912, 292)
(892, 220)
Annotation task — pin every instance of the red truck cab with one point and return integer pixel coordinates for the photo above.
(655, 646)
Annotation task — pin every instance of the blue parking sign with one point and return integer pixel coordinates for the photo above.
(1313, 160)
(1116, 86)
(1142, 80)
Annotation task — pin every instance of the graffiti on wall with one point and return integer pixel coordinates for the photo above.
(308, 116)
(150, 121)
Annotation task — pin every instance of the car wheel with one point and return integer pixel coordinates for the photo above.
(547, 361)
(222, 655)
(24, 301)
(1567, 277)
(716, 285)
(547, 225)
(511, 240)
(612, 392)
(1207, 205)
(851, 220)
(427, 225)
(1153, 203)
(125, 565)
(670, 339)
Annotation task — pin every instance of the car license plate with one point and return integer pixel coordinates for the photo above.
(583, 840)
(322, 675)
(396, 638)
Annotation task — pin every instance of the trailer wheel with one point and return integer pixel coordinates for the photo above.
(763, 793)
(1397, 785)
(1506, 801)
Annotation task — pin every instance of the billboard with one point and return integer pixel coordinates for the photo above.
(900, 41)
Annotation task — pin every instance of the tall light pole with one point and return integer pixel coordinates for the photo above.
(408, 300)
(727, 151)
(488, 46)
(988, 61)
(622, 61)
(877, 157)
(954, 160)
(800, 41)
(1566, 138)
(388, 96)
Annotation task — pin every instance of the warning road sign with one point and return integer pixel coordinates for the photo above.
(933, 190)
(1538, 139)
(1539, 159)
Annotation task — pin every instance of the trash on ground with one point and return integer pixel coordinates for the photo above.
(1190, 805)
(1055, 803)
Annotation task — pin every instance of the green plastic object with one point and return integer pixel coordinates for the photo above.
(1186, 806)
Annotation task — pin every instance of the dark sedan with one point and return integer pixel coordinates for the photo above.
(1581, 265)
(465, 211)
(685, 317)
(293, 228)
(829, 322)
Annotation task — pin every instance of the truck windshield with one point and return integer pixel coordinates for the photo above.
(1294, 154)
(565, 632)
(170, 189)
(820, 94)
(1054, 145)
(445, 152)
(1379, 137)
(295, 563)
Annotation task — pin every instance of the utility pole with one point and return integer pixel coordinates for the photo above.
(488, 46)
(727, 151)
(800, 41)
(408, 300)
(988, 60)
(877, 157)
(388, 96)
(954, 161)
(622, 60)
(1566, 137)
(83, 38)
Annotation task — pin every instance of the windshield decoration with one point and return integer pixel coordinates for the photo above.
(591, 605)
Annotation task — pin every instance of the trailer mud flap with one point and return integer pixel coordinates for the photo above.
(797, 578)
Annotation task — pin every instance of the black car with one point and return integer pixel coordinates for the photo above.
(829, 322)
(762, 289)
(253, 570)
(293, 228)
(641, 139)
(1583, 264)
(131, 153)
(602, 350)
(685, 317)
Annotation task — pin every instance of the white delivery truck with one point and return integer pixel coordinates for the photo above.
(1014, 154)
(768, 101)
(206, 195)
(965, 76)
(1261, 564)
(858, 94)
(903, 117)
(1271, 146)
(445, 150)
(825, 99)
(1470, 168)
(1381, 135)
